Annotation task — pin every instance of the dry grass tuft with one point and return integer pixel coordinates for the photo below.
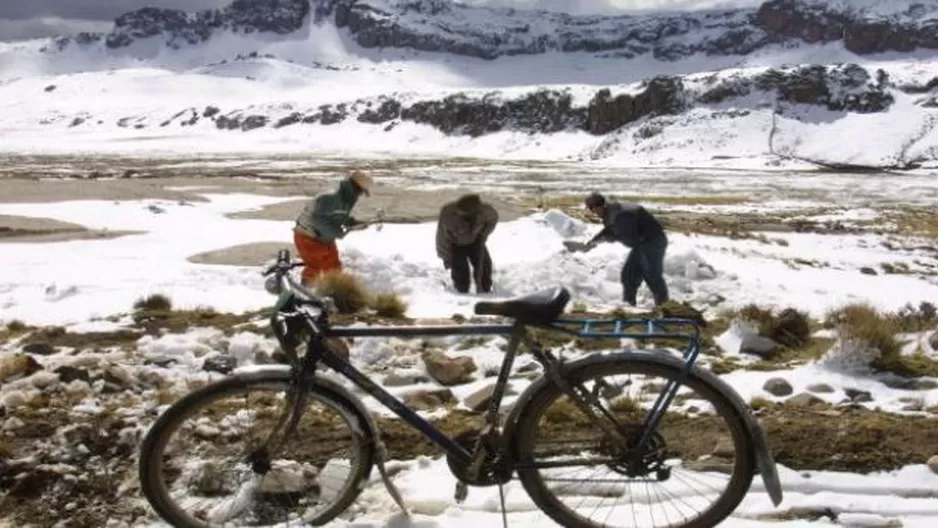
(153, 303)
(389, 305)
(862, 323)
(347, 291)
(790, 327)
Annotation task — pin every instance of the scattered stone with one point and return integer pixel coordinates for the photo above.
(68, 374)
(13, 366)
(428, 400)
(758, 346)
(447, 370)
(13, 423)
(912, 404)
(724, 449)
(289, 480)
(161, 361)
(804, 399)
(895, 382)
(39, 349)
(858, 396)
(479, 400)
(119, 375)
(219, 363)
(44, 379)
(866, 270)
(933, 464)
(403, 379)
(778, 387)
(820, 388)
(710, 464)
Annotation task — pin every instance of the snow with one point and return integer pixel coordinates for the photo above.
(697, 267)
(115, 92)
(91, 285)
(106, 277)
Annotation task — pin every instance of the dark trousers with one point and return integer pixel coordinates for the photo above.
(477, 257)
(645, 263)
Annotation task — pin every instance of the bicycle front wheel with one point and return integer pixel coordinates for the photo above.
(692, 473)
(207, 460)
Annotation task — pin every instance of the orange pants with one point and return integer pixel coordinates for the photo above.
(318, 256)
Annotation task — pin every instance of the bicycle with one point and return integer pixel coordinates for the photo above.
(488, 457)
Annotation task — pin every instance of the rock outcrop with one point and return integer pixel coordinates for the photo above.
(179, 28)
(846, 87)
(488, 33)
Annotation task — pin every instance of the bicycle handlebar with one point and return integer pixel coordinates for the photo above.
(280, 270)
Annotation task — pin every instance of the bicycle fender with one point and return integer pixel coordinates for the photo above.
(760, 442)
(764, 459)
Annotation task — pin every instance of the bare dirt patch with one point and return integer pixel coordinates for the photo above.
(401, 205)
(253, 254)
(25, 229)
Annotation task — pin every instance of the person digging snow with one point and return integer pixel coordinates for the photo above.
(462, 230)
(638, 229)
(324, 219)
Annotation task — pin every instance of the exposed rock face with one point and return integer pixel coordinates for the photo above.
(438, 25)
(179, 27)
(488, 33)
(417, 25)
(842, 87)
(861, 33)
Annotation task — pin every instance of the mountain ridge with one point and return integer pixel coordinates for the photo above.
(492, 32)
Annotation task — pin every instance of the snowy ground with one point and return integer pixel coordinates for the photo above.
(118, 101)
(86, 285)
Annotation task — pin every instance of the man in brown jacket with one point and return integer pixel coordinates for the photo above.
(461, 233)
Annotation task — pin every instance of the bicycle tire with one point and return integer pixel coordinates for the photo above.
(154, 442)
(529, 415)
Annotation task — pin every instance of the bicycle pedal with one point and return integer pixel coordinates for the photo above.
(462, 491)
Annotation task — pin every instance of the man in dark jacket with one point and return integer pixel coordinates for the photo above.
(636, 228)
(461, 232)
(325, 219)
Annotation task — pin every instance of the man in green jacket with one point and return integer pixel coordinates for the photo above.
(325, 219)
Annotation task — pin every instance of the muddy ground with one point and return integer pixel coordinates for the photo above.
(400, 204)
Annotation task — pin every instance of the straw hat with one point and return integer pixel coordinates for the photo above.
(363, 180)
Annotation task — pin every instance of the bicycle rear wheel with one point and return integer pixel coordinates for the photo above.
(578, 476)
(314, 476)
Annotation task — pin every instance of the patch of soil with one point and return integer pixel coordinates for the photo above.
(178, 321)
(56, 336)
(401, 206)
(21, 229)
(856, 440)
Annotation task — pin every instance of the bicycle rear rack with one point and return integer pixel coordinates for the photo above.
(630, 327)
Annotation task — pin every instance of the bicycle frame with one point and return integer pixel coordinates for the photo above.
(518, 335)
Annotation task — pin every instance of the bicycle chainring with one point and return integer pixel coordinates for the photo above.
(491, 472)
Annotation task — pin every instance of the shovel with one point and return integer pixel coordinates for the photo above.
(575, 246)
(378, 221)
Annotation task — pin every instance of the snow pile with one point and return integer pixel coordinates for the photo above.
(699, 269)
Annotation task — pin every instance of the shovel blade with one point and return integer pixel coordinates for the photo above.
(575, 246)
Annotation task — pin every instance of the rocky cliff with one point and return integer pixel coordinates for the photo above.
(178, 28)
(849, 88)
(487, 33)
